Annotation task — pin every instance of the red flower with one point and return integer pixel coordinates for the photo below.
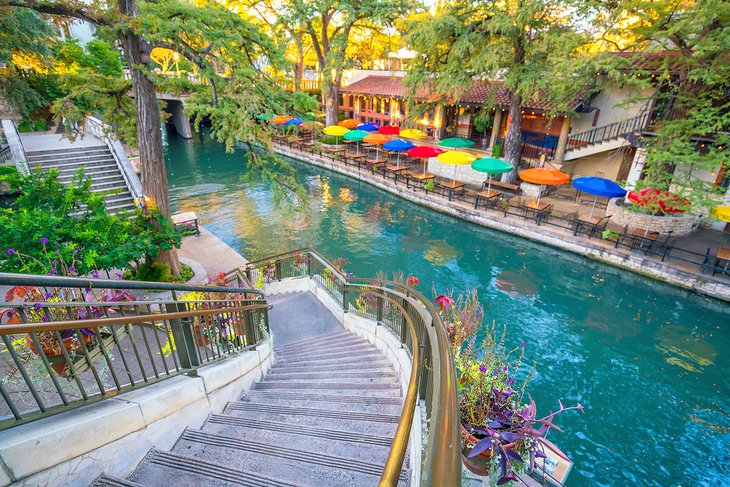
(444, 301)
(412, 281)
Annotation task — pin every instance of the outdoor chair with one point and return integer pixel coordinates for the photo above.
(588, 228)
(715, 264)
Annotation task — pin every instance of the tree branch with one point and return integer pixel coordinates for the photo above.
(71, 9)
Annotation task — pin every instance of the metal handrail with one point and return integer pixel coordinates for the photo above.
(608, 132)
(433, 375)
(105, 345)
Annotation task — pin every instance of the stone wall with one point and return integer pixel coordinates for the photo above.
(678, 225)
(464, 173)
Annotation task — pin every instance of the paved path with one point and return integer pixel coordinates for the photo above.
(211, 252)
(36, 141)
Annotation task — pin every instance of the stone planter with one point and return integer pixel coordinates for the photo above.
(678, 224)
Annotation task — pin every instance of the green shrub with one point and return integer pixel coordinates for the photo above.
(158, 272)
(328, 139)
(10, 180)
(497, 150)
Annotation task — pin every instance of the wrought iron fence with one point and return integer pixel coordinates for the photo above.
(67, 342)
(417, 323)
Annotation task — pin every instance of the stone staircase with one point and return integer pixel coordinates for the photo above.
(324, 415)
(98, 163)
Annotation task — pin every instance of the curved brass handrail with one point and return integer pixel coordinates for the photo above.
(442, 463)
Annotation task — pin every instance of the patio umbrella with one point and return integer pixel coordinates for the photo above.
(356, 135)
(658, 201)
(424, 152)
(719, 212)
(456, 158)
(280, 119)
(544, 177)
(377, 139)
(398, 145)
(456, 143)
(491, 166)
(598, 187)
(292, 122)
(368, 126)
(413, 134)
(265, 116)
(349, 123)
(335, 131)
(389, 130)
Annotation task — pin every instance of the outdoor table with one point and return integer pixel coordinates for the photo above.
(452, 186)
(187, 220)
(587, 221)
(643, 238)
(487, 194)
(723, 259)
(336, 150)
(422, 177)
(540, 209)
(395, 170)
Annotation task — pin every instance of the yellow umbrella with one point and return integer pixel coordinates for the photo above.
(378, 139)
(456, 158)
(336, 131)
(721, 213)
(413, 134)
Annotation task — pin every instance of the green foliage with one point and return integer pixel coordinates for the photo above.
(329, 139)
(54, 223)
(498, 149)
(10, 179)
(158, 272)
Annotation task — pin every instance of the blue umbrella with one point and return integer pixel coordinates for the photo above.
(292, 121)
(368, 126)
(598, 187)
(398, 145)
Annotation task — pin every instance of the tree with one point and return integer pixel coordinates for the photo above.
(330, 25)
(533, 46)
(227, 48)
(682, 50)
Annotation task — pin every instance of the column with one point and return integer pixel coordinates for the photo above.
(438, 122)
(356, 107)
(562, 141)
(181, 120)
(637, 167)
(495, 127)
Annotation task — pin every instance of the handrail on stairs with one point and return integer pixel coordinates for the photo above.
(415, 320)
(71, 341)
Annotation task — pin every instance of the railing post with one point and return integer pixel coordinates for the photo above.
(379, 310)
(277, 270)
(344, 298)
(182, 333)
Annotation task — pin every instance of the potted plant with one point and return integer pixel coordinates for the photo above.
(502, 434)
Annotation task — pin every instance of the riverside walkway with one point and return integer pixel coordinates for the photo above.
(682, 265)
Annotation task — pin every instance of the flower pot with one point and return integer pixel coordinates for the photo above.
(480, 464)
(54, 353)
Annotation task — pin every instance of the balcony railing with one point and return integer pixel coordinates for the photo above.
(609, 132)
(72, 341)
(415, 320)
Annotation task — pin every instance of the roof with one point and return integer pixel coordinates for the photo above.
(670, 60)
(480, 93)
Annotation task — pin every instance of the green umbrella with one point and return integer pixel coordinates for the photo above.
(356, 135)
(265, 116)
(456, 143)
(491, 166)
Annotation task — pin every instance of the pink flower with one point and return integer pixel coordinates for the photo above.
(412, 281)
(444, 301)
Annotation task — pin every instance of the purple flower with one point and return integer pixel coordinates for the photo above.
(76, 251)
(11, 251)
(44, 318)
(522, 344)
(52, 272)
(58, 252)
(37, 306)
(95, 275)
(48, 295)
(483, 368)
(72, 269)
(44, 240)
(54, 262)
(510, 380)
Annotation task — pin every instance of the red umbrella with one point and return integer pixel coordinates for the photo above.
(389, 130)
(658, 201)
(424, 152)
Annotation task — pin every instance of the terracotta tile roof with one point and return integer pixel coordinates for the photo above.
(480, 93)
(651, 60)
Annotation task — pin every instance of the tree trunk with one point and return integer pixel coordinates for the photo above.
(513, 141)
(149, 132)
(298, 69)
(332, 96)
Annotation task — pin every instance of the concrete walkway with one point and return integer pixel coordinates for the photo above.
(211, 253)
(37, 141)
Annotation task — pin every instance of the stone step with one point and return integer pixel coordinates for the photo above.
(353, 360)
(302, 466)
(170, 469)
(317, 340)
(99, 178)
(346, 340)
(295, 435)
(110, 481)
(370, 423)
(100, 186)
(326, 351)
(387, 388)
(62, 152)
(71, 161)
(273, 395)
(287, 373)
(91, 162)
(376, 408)
(335, 378)
(374, 365)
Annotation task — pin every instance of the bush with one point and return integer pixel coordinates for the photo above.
(497, 150)
(10, 180)
(328, 139)
(158, 272)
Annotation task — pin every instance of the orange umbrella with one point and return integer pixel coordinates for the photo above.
(544, 176)
(378, 139)
(279, 119)
(349, 123)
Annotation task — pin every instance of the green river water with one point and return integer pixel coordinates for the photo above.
(648, 361)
